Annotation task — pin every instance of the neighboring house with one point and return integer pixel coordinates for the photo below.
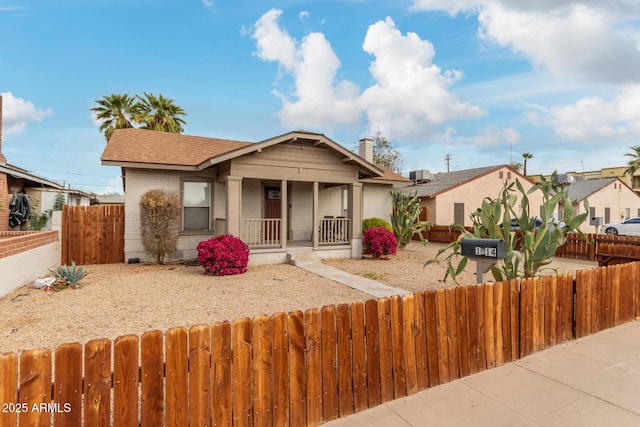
(38, 188)
(611, 172)
(449, 198)
(110, 199)
(300, 189)
(41, 190)
(609, 198)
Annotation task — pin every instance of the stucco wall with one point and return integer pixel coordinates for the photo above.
(27, 257)
(615, 196)
(376, 201)
(471, 194)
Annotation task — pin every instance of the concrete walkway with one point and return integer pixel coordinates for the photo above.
(594, 381)
(313, 264)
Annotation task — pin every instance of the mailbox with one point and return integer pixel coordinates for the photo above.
(484, 248)
(596, 220)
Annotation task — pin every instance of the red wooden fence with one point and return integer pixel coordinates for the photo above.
(307, 368)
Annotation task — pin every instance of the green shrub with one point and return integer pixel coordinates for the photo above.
(376, 223)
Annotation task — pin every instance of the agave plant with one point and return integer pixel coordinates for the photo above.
(69, 276)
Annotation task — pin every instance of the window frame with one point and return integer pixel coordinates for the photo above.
(210, 225)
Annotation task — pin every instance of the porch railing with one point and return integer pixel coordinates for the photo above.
(261, 232)
(334, 231)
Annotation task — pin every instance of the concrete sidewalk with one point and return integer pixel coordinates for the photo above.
(594, 381)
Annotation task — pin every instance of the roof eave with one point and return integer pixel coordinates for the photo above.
(141, 165)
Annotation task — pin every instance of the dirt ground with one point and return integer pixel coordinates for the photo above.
(120, 299)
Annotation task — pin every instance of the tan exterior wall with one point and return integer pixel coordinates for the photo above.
(137, 183)
(623, 203)
(471, 194)
(376, 200)
(295, 163)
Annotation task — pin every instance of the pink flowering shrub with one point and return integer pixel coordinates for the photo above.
(379, 242)
(223, 255)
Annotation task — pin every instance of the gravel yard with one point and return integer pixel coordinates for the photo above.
(120, 299)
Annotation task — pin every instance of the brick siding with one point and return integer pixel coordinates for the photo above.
(15, 242)
(4, 203)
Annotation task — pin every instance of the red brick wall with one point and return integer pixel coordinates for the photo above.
(2, 158)
(4, 203)
(15, 242)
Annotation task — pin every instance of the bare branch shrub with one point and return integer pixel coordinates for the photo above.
(160, 222)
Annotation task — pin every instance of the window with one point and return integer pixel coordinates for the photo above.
(501, 174)
(196, 202)
(627, 213)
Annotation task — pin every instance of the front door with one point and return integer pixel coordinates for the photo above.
(272, 210)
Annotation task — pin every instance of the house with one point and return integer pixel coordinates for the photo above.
(297, 190)
(449, 198)
(109, 199)
(609, 198)
(42, 191)
(632, 181)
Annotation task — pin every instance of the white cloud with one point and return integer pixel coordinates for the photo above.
(411, 93)
(594, 117)
(304, 15)
(16, 113)
(487, 137)
(409, 97)
(207, 3)
(590, 39)
(318, 100)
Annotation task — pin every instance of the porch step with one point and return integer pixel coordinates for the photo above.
(302, 257)
(312, 263)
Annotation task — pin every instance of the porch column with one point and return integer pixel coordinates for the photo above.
(315, 230)
(284, 214)
(234, 205)
(355, 215)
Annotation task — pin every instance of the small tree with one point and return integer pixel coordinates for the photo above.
(385, 154)
(59, 201)
(529, 249)
(160, 222)
(405, 217)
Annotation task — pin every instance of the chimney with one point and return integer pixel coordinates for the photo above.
(2, 158)
(366, 149)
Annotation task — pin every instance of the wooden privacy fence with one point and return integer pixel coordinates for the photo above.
(303, 369)
(92, 234)
(618, 248)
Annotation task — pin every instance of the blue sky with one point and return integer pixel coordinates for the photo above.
(481, 80)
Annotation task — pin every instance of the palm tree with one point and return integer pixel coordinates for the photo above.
(526, 156)
(114, 112)
(159, 113)
(634, 164)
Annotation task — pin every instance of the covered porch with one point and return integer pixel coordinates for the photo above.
(288, 216)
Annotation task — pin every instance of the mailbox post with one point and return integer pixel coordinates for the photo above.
(485, 252)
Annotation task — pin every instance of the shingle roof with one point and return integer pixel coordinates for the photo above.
(162, 148)
(579, 190)
(390, 175)
(445, 180)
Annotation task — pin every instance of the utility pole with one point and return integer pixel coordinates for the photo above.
(447, 159)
